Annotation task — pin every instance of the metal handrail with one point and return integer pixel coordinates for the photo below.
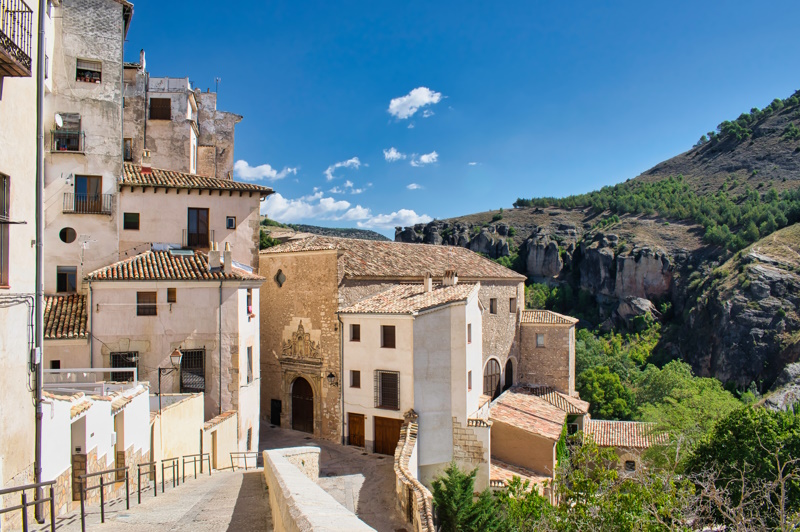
(24, 504)
(152, 466)
(77, 203)
(16, 31)
(194, 459)
(65, 140)
(245, 454)
(176, 471)
(101, 486)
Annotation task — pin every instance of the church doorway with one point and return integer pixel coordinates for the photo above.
(302, 406)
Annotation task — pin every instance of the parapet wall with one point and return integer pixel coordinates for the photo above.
(412, 496)
(297, 502)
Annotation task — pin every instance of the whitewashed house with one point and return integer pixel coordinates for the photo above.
(417, 349)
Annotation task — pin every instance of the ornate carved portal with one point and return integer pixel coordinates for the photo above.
(300, 345)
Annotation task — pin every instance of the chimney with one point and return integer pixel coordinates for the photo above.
(146, 168)
(428, 282)
(213, 257)
(450, 278)
(227, 259)
(141, 60)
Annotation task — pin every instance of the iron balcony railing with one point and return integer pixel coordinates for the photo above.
(16, 36)
(194, 239)
(67, 140)
(87, 203)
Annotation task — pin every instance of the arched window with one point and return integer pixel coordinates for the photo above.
(491, 378)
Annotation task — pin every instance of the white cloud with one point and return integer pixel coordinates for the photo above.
(391, 155)
(414, 186)
(243, 170)
(356, 213)
(405, 106)
(426, 158)
(350, 163)
(427, 113)
(336, 190)
(348, 186)
(472, 164)
(357, 191)
(294, 210)
(403, 217)
(411, 125)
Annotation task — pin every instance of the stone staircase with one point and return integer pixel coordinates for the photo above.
(224, 500)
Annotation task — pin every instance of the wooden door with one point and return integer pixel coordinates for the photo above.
(302, 406)
(355, 424)
(387, 434)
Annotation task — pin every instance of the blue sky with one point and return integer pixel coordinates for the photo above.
(492, 100)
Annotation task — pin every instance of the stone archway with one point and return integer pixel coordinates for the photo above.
(509, 377)
(302, 406)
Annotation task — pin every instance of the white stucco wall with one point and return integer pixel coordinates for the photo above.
(249, 393)
(163, 217)
(368, 356)
(136, 419)
(56, 438)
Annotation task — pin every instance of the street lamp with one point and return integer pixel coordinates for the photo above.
(332, 379)
(175, 359)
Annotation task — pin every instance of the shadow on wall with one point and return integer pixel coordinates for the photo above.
(251, 511)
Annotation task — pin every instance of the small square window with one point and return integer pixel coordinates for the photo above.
(493, 306)
(66, 279)
(146, 303)
(55, 364)
(630, 466)
(88, 71)
(469, 381)
(355, 332)
(280, 278)
(172, 295)
(469, 333)
(160, 109)
(230, 222)
(355, 378)
(130, 221)
(387, 336)
(539, 340)
(512, 305)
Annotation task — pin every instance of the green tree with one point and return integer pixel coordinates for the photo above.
(608, 397)
(458, 512)
(266, 241)
(520, 506)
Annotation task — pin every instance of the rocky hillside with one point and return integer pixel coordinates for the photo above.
(711, 232)
(343, 232)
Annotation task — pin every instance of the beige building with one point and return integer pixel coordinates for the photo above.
(181, 128)
(312, 279)
(17, 255)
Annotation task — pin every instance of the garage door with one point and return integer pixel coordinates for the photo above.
(387, 434)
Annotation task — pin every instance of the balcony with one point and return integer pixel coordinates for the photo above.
(197, 239)
(16, 37)
(87, 203)
(65, 140)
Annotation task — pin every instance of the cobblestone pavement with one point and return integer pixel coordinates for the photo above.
(223, 501)
(362, 482)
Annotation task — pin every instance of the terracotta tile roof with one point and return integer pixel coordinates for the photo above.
(529, 413)
(218, 419)
(395, 260)
(570, 405)
(501, 473)
(633, 434)
(132, 176)
(79, 408)
(166, 266)
(65, 317)
(410, 299)
(546, 317)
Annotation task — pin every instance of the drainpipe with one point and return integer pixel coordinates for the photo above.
(39, 305)
(91, 320)
(220, 347)
(341, 371)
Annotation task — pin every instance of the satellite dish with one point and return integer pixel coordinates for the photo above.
(59, 120)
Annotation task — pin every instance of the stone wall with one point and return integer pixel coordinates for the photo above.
(471, 449)
(499, 330)
(551, 365)
(413, 498)
(296, 501)
(309, 294)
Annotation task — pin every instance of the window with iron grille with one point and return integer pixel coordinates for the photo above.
(160, 109)
(68, 136)
(127, 359)
(146, 303)
(249, 364)
(89, 71)
(5, 198)
(127, 149)
(249, 438)
(193, 371)
(387, 389)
